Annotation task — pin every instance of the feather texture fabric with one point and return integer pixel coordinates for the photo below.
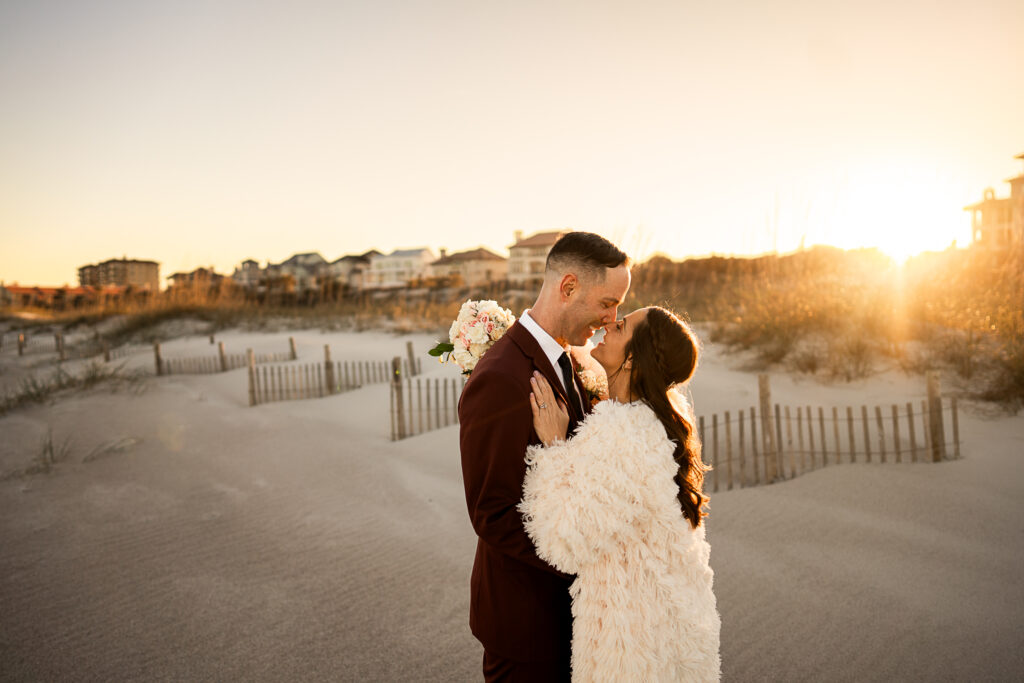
(603, 505)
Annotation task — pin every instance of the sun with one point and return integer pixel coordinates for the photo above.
(901, 209)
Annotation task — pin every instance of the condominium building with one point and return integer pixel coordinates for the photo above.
(124, 272)
(998, 223)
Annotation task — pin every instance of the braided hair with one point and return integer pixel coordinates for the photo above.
(664, 353)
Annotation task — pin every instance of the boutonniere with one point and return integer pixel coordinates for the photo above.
(590, 372)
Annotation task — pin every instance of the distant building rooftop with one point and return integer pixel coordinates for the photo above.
(480, 254)
(409, 252)
(541, 239)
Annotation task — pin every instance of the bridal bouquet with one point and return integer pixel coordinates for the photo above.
(479, 325)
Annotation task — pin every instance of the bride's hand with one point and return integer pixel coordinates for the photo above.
(550, 418)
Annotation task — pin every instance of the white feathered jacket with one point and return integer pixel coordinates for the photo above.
(603, 505)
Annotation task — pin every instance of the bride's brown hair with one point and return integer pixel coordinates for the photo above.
(664, 353)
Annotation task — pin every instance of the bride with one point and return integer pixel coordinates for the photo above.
(619, 504)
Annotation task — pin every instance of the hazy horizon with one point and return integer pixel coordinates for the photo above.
(205, 133)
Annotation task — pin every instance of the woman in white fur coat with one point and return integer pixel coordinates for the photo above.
(619, 504)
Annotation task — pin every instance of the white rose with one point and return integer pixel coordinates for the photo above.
(478, 335)
(464, 358)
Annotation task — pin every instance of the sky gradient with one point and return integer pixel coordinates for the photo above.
(204, 133)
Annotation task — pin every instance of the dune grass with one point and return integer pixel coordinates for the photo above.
(36, 390)
(839, 315)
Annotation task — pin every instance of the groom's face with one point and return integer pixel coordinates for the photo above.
(595, 304)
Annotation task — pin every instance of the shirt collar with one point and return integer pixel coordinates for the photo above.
(551, 348)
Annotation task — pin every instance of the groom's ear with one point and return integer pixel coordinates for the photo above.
(569, 285)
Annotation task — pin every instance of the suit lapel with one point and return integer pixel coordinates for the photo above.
(529, 346)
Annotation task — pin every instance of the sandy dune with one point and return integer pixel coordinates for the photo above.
(293, 541)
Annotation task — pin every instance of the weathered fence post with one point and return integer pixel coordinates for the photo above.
(789, 444)
(291, 347)
(106, 351)
(926, 427)
(251, 358)
(328, 369)
(224, 357)
(714, 450)
(849, 425)
(824, 441)
(938, 434)
(396, 388)
(810, 436)
(835, 432)
(867, 434)
(159, 361)
(60, 346)
(780, 465)
(21, 344)
(913, 438)
(881, 431)
(956, 429)
(700, 433)
(743, 455)
(800, 438)
(764, 391)
(896, 432)
(412, 359)
(753, 445)
(728, 450)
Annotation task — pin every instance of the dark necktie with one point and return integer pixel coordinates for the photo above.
(570, 385)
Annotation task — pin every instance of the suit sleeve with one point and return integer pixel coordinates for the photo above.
(496, 428)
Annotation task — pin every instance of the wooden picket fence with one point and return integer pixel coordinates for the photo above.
(782, 442)
(317, 380)
(21, 343)
(786, 441)
(424, 404)
(222, 362)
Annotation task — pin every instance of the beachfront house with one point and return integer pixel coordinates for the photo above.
(471, 268)
(998, 223)
(399, 268)
(301, 269)
(123, 272)
(348, 272)
(200, 279)
(248, 275)
(527, 257)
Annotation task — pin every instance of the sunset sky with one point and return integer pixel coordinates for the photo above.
(204, 132)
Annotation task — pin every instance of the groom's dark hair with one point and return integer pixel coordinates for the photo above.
(587, 252)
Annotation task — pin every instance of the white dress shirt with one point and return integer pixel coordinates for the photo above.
(551, 348)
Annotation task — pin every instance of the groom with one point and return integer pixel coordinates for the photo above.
(519, 605)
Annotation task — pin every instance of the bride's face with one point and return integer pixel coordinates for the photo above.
(611, 352)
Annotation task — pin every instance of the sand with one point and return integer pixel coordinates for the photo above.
(206, 540)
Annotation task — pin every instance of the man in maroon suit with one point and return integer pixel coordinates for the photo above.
(519, 604)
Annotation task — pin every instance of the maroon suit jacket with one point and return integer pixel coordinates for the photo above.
(519, 604)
